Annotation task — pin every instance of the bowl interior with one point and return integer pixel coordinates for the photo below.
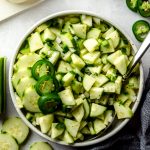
(117, 125)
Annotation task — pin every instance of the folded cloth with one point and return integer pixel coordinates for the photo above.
(136, 134)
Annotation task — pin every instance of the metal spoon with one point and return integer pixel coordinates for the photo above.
(137, 57)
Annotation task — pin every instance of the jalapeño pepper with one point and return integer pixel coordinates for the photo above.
(144, 8)
(132, 4)
(49, 103)
(42, 67)
(46, 84)
(140, 29)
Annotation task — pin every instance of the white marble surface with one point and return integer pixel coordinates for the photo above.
(13, 29)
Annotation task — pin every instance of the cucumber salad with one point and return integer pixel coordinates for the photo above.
(68, 77)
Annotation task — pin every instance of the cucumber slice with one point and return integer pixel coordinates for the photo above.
(68, 78)
(21, 73)
(133, 83)
(23, 84)
(85, 130)
(7, 142)
(67, 138)
(122, 98)
(35, 42)
(108, 115)
(78, 113)
(112, 57)
(30, 100)
(88, 82)
(97, 110)
(110, 87)
(67, 97)
(77, 87)
(94, 33)
(67, 39)
(114, 36)
(98, 125)
(91, 44)
(108, 48)
(48, 35)
(54, 57)
(108, 32)
(45, 122)
(80, 30)
(82, 124)
(121, 64)
(122, 111)
(41, 27)
(96, 93)
(40, 145)
(77, 61)
(57, 130)
(90, 58)
(96, 20)
(86, 20)
(15, 127)
(72, 127)
(100, 80)
(118, 84)
(91, 128)
(27, 60)
(64, 67)
(86, 108)
(95, 70)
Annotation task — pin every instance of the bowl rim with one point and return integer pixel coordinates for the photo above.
(12, 93)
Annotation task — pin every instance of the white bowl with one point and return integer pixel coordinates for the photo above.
(117, 126)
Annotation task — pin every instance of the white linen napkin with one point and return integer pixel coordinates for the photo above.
(8, 9)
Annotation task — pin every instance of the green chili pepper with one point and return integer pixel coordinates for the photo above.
(132, 4)
(46, 84)
(144, 8)
(49, 103)
(42, 67)
(140, 29)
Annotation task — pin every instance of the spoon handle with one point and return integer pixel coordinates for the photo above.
(144, 47)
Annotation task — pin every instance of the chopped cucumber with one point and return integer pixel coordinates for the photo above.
(90, 58)
(67, 97)
(35, 42)
(114, 36)
(86, 20)
(48, 35)
(68, 78)
(96, 93)
(88, 82)
(97, 110)
(57, 130)
(80, 30)
(15, 127)
(100, 80)
(91, 44)
(98, 125)
(68, 138)
(64, 67)
(122, 111)
(77, 61)
(78, 113)
(110, 87)
(72, 127)
(45, 122)
(94, 33)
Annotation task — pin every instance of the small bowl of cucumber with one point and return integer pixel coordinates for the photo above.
(66, 78)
